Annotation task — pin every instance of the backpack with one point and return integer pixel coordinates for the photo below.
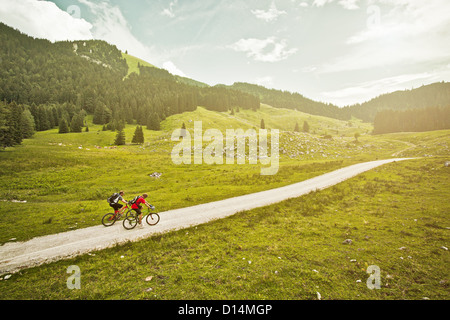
(113, 198)
(134, 200)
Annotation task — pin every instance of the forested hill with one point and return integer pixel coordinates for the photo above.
(412, 120)
(44, 85)
(62, 80)
(288, 100)
(433, 95)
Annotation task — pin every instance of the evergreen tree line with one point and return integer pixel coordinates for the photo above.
(413, 120)
(295, 101)
(436, 94)
(47, 117)
(57, 84)
(221, 99)
(16, 124)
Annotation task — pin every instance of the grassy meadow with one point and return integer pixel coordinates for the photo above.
(395, 216)
(133, 63)
(290, 250)
(65, 179)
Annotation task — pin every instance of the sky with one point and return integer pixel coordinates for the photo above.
(335, 51)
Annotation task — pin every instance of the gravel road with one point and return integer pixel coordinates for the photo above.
(15, 256)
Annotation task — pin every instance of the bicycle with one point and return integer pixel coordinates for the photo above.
(110, 218)
(131, 221)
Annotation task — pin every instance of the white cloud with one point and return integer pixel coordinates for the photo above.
(407, 19)
(173, 69)
(349, 4)
(43, 19)
(321, 3)
(346, 4)
(270, 15)
(169, 11)
(266, 50)
(409, 33)
(111, 26)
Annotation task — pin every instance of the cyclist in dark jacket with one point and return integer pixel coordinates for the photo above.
(114, 203)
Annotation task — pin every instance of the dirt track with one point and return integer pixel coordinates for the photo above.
(19, 255)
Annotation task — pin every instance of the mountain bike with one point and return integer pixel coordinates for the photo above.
(131, 221)
(110, 218)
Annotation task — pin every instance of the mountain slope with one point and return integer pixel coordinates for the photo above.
(64, 78)
(284, 120)
(433, 95)
(296, 101)
(96, 77)
(134, 63)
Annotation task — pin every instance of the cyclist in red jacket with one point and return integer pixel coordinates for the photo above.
(137, 206)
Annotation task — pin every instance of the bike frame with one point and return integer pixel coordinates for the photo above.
(134, 217)
(121, 211)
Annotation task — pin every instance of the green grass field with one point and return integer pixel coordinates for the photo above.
(65, 179)
(395, 216)
(133, 63)
(295, 247)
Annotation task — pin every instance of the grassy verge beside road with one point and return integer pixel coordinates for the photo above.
(395, 215)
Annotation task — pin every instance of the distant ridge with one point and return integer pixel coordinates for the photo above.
(432, 95)
(288, 100)
(94, 75)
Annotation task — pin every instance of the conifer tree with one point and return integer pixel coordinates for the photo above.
(305, 126)
(297, 128)
(141, 137)
(183, 130)
(120, 138)
(27, 124)
(135, 135)
(63, 127)
(263, 125)
(10, 133)
(76, 124)
(3, 127)
(138, 136)
(15, 123)
(44, 123)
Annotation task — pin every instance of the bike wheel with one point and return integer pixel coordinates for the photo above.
(108, 219)
(152, 219)
(130, 213)
(130, 222)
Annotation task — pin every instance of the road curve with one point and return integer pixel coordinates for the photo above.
(15, 256)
